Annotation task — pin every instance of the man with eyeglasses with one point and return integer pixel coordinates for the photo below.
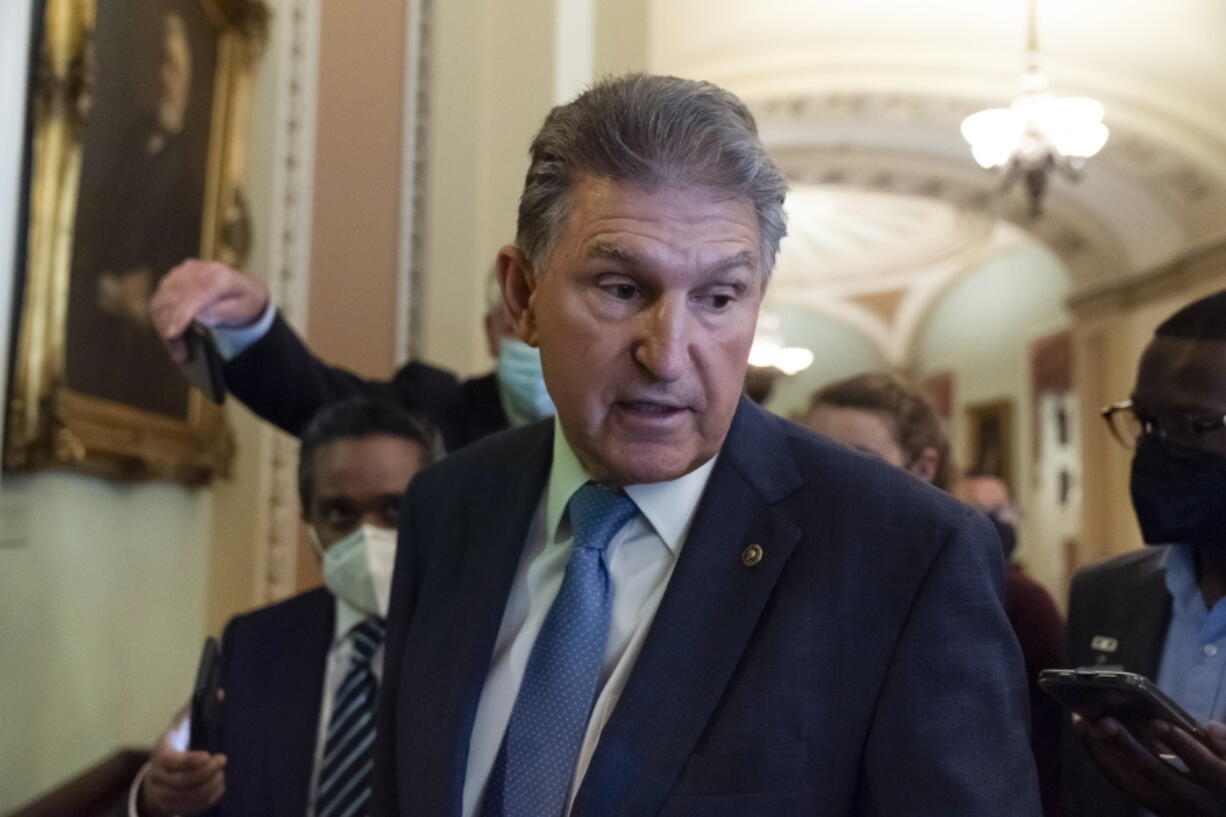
(1161, 611)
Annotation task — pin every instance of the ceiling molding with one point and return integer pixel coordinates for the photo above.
(868, 98)
(1140, 203)
(1184, 175)
(1201, 265)
(1153, 64)
(1087, 246)
(806, 280)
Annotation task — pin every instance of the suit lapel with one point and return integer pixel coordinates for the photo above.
(294, 710)
(1139, 608)
(493, 542)
(705, 621)
(1146, 616)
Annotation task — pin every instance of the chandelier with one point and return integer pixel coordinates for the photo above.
(1039, 134)
(770, 351)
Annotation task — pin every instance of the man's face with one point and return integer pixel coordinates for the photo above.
(1180, 377)
(644, 315)
(360, 480)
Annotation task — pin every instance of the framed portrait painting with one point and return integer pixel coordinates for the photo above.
(138, 115)
(990, 429)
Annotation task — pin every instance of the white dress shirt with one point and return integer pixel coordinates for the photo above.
(640, 559)
(339, 655)
(337, 665)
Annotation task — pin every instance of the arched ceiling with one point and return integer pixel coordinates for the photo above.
(879, 261)
(868, 96)
(1149, 59)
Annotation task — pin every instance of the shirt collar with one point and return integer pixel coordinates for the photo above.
(668, 506)
(1180, 576)
(347, 617)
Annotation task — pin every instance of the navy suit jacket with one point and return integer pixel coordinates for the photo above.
(864, 666)
(273, 676)
(280, 380)
(1118, 615)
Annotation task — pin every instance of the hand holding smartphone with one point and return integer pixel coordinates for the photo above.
(1129, 698)
(206, 708)
(203, 365)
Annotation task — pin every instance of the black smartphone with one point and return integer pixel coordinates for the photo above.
(1130, 698)
(202, 367)
(206, 708)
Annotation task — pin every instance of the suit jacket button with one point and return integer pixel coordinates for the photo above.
(751, 555)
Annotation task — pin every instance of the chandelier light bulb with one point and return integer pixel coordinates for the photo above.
(1075, 126)
(793, 359)
(993, 135)
(1039, 133)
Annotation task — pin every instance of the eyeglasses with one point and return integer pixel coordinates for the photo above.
(1128, 424)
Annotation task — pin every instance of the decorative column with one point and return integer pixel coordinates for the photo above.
(295, 48)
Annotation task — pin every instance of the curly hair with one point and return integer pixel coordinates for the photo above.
(913, 422)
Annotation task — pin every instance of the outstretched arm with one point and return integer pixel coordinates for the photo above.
(276, 375)
(282, 381)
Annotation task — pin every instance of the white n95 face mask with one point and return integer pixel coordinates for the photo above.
(358, 568)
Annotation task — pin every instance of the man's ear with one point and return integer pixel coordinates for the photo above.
(926, 465)
(518, 282)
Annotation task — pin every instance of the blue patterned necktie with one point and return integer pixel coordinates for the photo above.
(344, 773)
(536, 762)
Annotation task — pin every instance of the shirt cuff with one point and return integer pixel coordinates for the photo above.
(233, 342)
(134, 792)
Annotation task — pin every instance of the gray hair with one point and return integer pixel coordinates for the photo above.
(652, 131)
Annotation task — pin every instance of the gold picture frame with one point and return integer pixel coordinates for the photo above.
(120, 184)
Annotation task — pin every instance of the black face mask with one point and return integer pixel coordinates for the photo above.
(1179, 494)
(1008, 536)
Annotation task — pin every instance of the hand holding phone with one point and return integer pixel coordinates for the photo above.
(178, 781)
(202, 365)
(1144, 743)
(1129, 698)
(206, 706)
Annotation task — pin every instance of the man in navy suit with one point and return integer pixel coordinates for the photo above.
(299, 676)
(666, 601)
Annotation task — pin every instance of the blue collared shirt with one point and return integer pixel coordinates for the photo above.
(1193, 667)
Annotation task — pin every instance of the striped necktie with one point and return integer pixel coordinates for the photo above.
(344, 776)
(532, 772)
